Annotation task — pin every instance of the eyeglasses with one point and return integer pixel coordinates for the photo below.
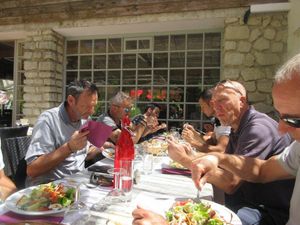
(126, 109)
(229, 84)
(290, 121)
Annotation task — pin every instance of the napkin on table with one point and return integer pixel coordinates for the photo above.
(166, 169)
(10, 217)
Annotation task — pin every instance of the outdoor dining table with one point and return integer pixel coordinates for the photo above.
(155, 191)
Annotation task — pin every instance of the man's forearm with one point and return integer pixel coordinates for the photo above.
(47, 162)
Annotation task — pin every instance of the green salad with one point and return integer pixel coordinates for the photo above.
(191, 213)
(47, 197)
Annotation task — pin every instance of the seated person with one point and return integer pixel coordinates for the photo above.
(120, 106)
(253, 134)
(216, 141)
(57, 148)
(7, 187)
(153, 110)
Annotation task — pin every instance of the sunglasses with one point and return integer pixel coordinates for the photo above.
(291, 121)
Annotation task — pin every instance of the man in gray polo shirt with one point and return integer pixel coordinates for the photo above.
(58, 148)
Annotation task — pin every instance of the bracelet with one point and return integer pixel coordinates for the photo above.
(70, 149)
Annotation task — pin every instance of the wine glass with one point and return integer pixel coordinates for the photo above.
(116, 195)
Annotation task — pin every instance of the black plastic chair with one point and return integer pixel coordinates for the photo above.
(16, 150)
(10, 132)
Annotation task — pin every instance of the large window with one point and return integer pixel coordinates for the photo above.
(169, 69)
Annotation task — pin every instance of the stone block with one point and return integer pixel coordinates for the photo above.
(254, 20)
(262, 107)
(266, 59)
(250, 86)
(255, 33)
(230, 73)
(249, 74)
(50, 82)
(244, 46)
(30, 65)
(269, 33)
(36, 112)
(49, 96)
(265, 86)
(47, 45)
(27, 111)
(233, 59)
(249, 60)
(28, 55)
(31, 74)
(49, 55)
(236, 32)
(276, 23)
(47, 66)
(257, 97)
(277, 47)
(37, 82)
(229, 45)
(47, 74)
(266, 21)
(261, 44)
(30, 89)
(231, 20)
(37, 55)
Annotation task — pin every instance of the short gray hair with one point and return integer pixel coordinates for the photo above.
(287, 70)
(119, 98)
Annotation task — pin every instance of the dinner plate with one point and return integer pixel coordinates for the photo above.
(229, 216)
(109, 153)
(11, 201)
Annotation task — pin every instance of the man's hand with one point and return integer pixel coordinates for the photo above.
(145, 217)
(78, 140)
(190, 135)
(202, 168)
(178, 152)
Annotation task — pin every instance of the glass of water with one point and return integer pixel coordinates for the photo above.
(147, 163)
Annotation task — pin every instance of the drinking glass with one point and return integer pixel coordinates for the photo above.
(147, 163)
(126, 178)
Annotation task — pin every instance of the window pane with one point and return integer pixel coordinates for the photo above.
(114, 45)
(99, 61)
(194, 59)
(194, 76)
(100, 46)
(114, 78)
(176, 111)
(99, 77)
(161, 60)
(177, 59)
(161, 43)
(145, 60)
(177, 77)
(85, 62)
(85, 75)
(129, 77)
(194, 41)
(146, 94)
(212, 58)
(72, 47)
(144, 44)
(160, 77)
(72, 62)
(101, 94)
(86, 46)
(111, 91)
(144, 77)
(193, 93)
(129, 61)
(176, 94)
(131, 45)
(159, 94)
(71, 76)
(114, 61)
(211, 76)
(192, 112)
(213, 41)
(177, 42)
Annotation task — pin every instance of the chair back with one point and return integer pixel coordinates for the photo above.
(9, 132)
(16, 150)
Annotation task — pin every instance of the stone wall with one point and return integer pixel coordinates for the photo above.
(253, 52)
(43, 65)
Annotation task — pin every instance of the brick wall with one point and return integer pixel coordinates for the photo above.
(43, 65)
